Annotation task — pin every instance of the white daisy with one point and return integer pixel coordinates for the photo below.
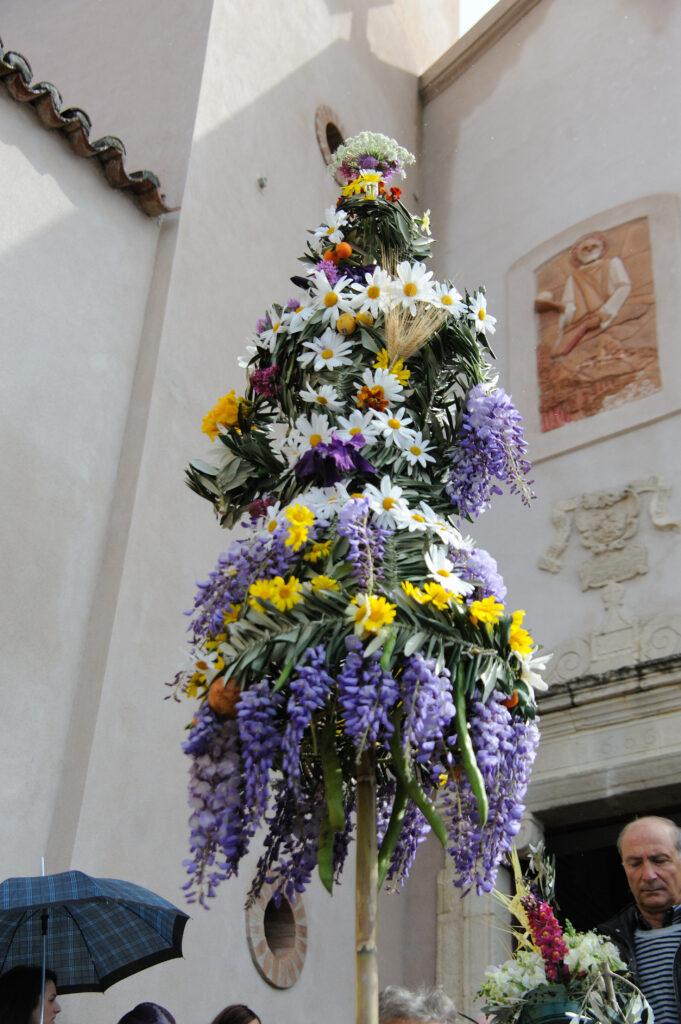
(326, 502)
(374, 295)
(394, 427)
(295, 319)
(268, 336)
(449, 298)
(448, 532)
(440, 525)
(441, 569)
(325, 395)
(386, 502)
(273, 518)
(417, 451)
(411, 519)
(530, 667)
(364, 423)
(314, 430)
(332, 300)
(477, 313)
(327, 352)
(412, 285)
(381, 386)
(330, 230)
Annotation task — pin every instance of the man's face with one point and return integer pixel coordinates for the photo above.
(652, 865)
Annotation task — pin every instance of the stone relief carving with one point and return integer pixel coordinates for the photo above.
(597, 346)
(607, 522)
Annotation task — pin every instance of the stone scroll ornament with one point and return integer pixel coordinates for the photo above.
(354, 668)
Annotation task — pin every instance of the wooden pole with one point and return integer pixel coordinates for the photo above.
(366, 894)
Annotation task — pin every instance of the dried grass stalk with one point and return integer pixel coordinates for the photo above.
(406, 334)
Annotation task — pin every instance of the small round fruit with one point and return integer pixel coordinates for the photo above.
(346, 324)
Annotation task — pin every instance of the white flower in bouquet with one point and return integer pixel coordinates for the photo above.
(588, 952)
(510, 981)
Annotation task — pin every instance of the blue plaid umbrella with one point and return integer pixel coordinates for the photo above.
(91, 932)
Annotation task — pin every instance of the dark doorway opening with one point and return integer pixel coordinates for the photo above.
(590, 883)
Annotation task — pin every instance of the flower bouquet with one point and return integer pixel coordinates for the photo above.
(356, 669)
(556, 970)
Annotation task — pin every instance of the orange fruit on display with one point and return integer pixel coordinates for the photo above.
(224, 697)
(343, 250)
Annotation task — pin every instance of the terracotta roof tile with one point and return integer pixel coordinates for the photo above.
(74, 124)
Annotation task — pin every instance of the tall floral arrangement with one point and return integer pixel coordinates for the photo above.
(354, 632)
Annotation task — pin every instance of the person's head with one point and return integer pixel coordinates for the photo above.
(20, 990)
(650, 849)
(398, 1005)
(237, 1013)
(148, 1013)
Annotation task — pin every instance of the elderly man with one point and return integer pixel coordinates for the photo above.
(427, 1006)
(648, 931)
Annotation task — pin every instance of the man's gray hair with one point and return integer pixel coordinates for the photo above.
(671, 825)
(426, 1004)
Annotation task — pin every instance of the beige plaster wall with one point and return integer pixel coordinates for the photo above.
(546, 129)
(134, 68)
(77, 262)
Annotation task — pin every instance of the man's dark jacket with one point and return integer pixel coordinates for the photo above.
(621, 928)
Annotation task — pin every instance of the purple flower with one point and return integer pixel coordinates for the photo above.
(491, 446)
(330, 462)
(309, 691)
(428, 707)
(475, 565)
(264, 382)
(220, 825)
(367, 694)
(505, 747)
(366, 540)
(257, 713)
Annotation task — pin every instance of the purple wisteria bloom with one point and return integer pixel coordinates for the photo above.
(491, 447)
(330, 462)
(309, 691)
(220, 826)
(415, 829)
(366, 693)
(257, 713)
(477, 566)
(290, 847)
(505, 747)
(246, 560)
(428, 706)
(366, 540)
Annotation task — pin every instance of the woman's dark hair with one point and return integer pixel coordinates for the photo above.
(148, 1013)
(20, 990)
(237, 1013)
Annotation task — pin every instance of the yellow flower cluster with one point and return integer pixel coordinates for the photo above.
(370, 613)
(225, 413)
(301, 519)
(398, 370)
(432, 593)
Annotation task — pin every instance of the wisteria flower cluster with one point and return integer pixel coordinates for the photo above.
(353, 616)
(557, 964)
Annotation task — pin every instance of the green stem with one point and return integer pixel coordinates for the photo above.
(466, 749)
(414, 791)
(392, 833)
(366, 894)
